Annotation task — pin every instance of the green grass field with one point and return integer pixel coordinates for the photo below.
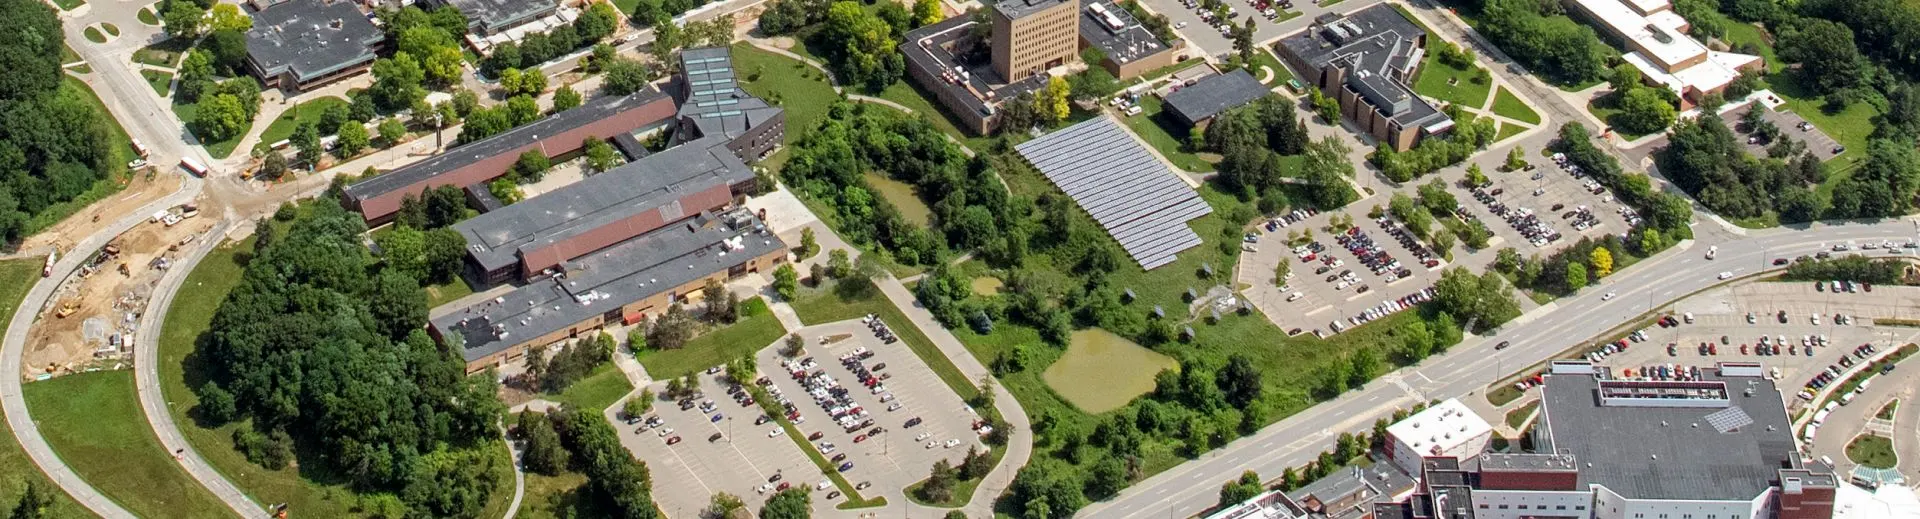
(69, 5)
(598, 390)
(93, 35)
(756, 329)
(1101, 371)
(1264, 58)
(444, 293)
(160, 81)
(1451, 84)
(93, 421)
(16, 470)
(551, 497)
(1508, 130)
(1886, 411)
(167, 53)
(309, 111)
(112, 30)
(146, 16)
(1872, 451)
(67, 55)
(1519, 415)
(1159, 130)
(801, 89)
(1741, 33)
(1507, 105)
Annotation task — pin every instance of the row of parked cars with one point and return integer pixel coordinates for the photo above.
(1390, 307)
(1538, 232)
(1400, 233)
(1372, 254)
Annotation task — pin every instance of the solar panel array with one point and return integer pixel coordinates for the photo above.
(1124, 187)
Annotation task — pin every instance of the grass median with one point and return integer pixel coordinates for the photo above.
(16, 470)
(94, 423)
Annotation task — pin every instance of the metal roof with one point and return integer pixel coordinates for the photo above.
(311, 38)
(1128, 190)
(1217, 93)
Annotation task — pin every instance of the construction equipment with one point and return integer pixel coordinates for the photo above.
(67, 308)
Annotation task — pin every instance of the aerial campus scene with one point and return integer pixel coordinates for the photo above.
(1132, 259)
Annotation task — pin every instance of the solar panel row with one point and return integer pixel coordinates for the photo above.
(1125, 188)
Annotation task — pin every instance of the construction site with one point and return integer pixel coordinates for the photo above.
(92, 317)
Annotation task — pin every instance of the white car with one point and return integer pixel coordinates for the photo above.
(1607, 297)
(1181, 25)
(664, 431)
(823, 485)
(932, 444)
(1726, 275)
(1712, 251)
(773, 432)
(951, 443)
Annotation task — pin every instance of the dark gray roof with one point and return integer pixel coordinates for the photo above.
(1017, 9)
(712, 98)
(1123, 45)
(1381, 481)
(311, 38)
(495, 238)
(1692, 458)
(595, 283)
(495, 15)
(1134, 195)
(461, 156)
(1214, 94)
(929, 49)
(1381, 48)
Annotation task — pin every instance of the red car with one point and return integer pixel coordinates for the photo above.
(783, 487)
(860, 438)
(673, 440)
(815, 436)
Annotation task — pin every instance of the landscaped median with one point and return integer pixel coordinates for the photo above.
(854, 500)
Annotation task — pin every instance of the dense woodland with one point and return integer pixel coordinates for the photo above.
(55, 146)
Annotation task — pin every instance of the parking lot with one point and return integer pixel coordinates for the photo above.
(899, 454)
(1202, 33)
(1535, 211)
(738, 462)
(749, 455)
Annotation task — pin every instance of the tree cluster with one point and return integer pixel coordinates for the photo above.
(1643, 109)
(1485, 300)
(1707, 160)
(1566, 270)
(1883, 271)
(619, 485)
(1557, 48)
(323, 344)
(427, 54)
(570, 365)
(672, 329)
(1667, 215)
(54, 146)
(862, 48)
(595, 24)
(1882, 187)
(1470, 134)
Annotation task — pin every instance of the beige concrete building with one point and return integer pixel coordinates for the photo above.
(1030, 36)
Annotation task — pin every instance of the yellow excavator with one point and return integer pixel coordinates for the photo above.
(67, 308)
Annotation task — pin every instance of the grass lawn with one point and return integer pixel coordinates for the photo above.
(1507, 105)
(1742, 33)
(146, 16)
(1872, 451)
(910, 95)
(1519, 415)
(121, 145)
(1454, 85)
(551, 496)
(161, 81)
(840, 301)
(1886, 412)
(93, 421)
(16, 470)
(756, 329)
(1499, 396)
(1101, 371)
(801, 89)
(1166, 70)
(1324, 3)
(1264, 58)
(93, 35)
(69, 5)
(67, 55)
(1159, 130)
(626, 6)
(962, 489)
(1508, 130)
(167, 53)
(309, 111)
(442, 294)
(112, 30)
(598, 390)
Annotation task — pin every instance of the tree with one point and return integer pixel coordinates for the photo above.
(808, 244)
(1576, 275)
(391, 132)
(530, 166)
(220, 117)
(306, 142)
(227, 17)
(1046, 488)
(1107, 477)
(939, 485)
(838, 263)
(183, 19)
(926, 12)
(351, 139)
(541, 450)
(1052, 101)
(1240, 381)
(864, 50)
(216, 405)
(1602, 261)
(33, 503)
(1237, 491)
(786, 281)
(600, 155)
(1644, 110)
(624, 76)
(397, 81)
(1826, 52)
(565, 98)
(792, 503)
(724, 505)
(272, 166)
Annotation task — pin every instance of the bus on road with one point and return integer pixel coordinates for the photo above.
(194, 166)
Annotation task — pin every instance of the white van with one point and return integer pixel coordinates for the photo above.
(1295, 297)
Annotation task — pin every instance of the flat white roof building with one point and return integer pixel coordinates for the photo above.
(1658, 45)
(1446, 429)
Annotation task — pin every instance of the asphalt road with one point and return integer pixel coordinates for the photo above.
(1464, 370)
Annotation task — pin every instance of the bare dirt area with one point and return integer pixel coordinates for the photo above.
(97, 306)
(142, 190)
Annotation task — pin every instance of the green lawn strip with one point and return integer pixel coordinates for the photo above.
(854, 500)
(305, 112)
(121, 146)
(551, 496)
(1767, 220)
(1886, 411)
(962, 489)
(200, 295)
(16, 470)
(829, 304)
(1518, 417)
(146, 16)
(1158, 129)
(93, 35)
(1500, 396)
(1508, 130)
(94, 423)
(161, 81)
(1166, 70)
(447, 292)
(112, 30)
(67, 55)
(626, 6)
(799, 88)
(1743, 33)
(1507, 105)
(69, 5)
(166, 53)
(756, 329)
(598, 391)
(1873, 451)
(1454, 85)
(1325, 3)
